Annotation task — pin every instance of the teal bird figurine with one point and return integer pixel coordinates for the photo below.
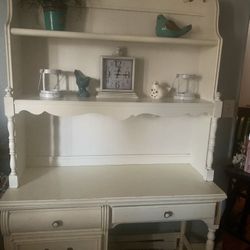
(82, 82)
(168, 28)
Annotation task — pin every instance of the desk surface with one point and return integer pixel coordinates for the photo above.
(132, 183)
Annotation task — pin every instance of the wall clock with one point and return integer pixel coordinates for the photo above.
(117, 77)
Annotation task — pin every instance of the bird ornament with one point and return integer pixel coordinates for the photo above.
(168, 28)
(82, 82)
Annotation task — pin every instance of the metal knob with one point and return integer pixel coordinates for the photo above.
(168, 214)
(57, 223)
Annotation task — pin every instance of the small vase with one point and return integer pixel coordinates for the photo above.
(54, 19)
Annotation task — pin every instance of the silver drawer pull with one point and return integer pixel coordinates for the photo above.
(57, 223)
(168, 214)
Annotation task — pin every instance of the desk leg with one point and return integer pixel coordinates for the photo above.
(211, 234)
(184, 243)
(182, 234)
(210, 239)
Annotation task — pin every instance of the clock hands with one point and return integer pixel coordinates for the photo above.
(125, 74)
(118, 72)
(121, 74)
(117, 85)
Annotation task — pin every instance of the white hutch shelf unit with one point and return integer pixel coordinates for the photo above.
(79, 167)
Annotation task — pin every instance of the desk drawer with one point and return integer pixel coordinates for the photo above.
(86, 244)
(162, 213)
(54, 219)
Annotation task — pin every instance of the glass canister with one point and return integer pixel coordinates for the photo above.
(50, 79)
(186, 87)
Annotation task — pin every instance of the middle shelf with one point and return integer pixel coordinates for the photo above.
(119, 108)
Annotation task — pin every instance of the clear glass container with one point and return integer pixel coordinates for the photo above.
(186, 87)
(50, 79)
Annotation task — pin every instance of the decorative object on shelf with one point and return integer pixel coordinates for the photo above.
(247, 161)
(186, 87)
(54, 11)
(120, 51)
(241, 137)
(82, 82)
(158, 91)
(50, 90)
(117, 77)
(239, 158)
(168, 28)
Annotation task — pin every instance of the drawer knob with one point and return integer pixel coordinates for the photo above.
(168, 214)
(57, 223)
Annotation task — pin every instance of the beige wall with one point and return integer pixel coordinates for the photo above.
(245, 82)
(233, 25)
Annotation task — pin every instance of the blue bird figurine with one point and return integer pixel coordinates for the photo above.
(168, 28)
(82, 82)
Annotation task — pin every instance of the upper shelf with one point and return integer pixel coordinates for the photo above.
(111, 37)
(121, 109)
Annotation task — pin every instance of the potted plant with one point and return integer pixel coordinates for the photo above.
(54, 11)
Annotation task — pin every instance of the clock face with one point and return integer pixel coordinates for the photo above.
(118, 73)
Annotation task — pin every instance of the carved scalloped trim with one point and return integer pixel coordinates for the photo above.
(117, 110)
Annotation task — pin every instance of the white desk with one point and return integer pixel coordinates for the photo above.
(90, 200)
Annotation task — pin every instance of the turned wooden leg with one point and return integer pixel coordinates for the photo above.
(184, 243)
(13, 175)
(182, 234)
(210, 239)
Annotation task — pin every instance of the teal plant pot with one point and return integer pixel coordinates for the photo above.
(55, 19)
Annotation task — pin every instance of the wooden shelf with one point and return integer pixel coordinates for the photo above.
(121, 109)
(111, 37)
